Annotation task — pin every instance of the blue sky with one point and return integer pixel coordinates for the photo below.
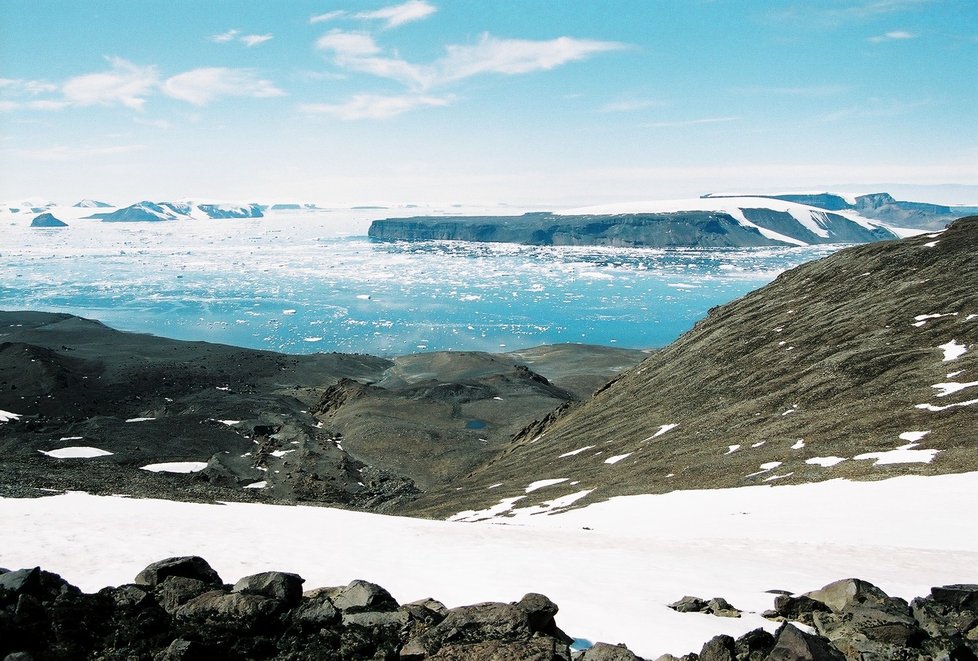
(482, 101)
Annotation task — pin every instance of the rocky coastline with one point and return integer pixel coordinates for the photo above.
(180, 609)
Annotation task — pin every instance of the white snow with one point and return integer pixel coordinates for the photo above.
(230, 423)
(7, 416)
(905, 454)
(79, 452)
(913, 436)
(539, 484)
(732, 448)
(931, 244)
(618, 457)
(799, 444)
(140, 419)
(176, 467)
(312, 339)
(765, 467)
(921, 319)
(953, 350)
(662, 430)
(257, 485)
(577, 451)
(281, 453)
(825, 462)
(735, 542)
(935, 409)
(71, 438)
(952, 387)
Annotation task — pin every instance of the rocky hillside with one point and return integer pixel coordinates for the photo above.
(860, 366)
(85, 407)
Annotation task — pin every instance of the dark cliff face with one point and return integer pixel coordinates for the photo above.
(795, 382)
(700, 229)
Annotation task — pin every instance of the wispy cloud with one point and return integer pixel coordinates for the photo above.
(370, 106)
(396, 15)
(224, 37)
(124, 84)
(328, 16)
(201, 86)
(248, 40)
(690, 122)
(895, 35)
(360, 52)
(631, 105)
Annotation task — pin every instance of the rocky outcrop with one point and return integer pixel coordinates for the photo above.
(179, 609)
(716, 606)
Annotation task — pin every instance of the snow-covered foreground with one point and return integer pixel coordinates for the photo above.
(611, 567)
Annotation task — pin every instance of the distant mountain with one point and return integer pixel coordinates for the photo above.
(704, 222)
(158, 211)
(877, 206)
(32, 205)
(47, 220)
(857, 366)
(92, 204)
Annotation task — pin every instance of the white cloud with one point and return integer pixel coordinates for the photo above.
(690, 122)
(328, 16)
(255, 39)
(201, 86)
(125, 84)
(360, 52)
(224, 37)
(369, 106)
(895, 35)
(413, 10)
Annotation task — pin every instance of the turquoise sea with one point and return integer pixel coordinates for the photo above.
(308, 282)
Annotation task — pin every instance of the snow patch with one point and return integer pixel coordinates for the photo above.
(7, 416)
(140, 419)
(765, 467)
(825, 462)
(902, 455)
(935, 409)
(617, 458)
(732, 448)
(913, 436)
(577, 451)
(79, 452)
(799, 444)
(539, 484)
(176, 467)
(952, 387)
(662, 430)
(257, 485)
(953, 350)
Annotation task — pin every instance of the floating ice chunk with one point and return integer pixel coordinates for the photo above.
(953, 350)
(902, 455)
(363, 297)
(539, 484)
(931, 407)
(825, 462)
(257, 485)
(80, 452)
(285, 312)
(577, 451)
(913, 436)
(799, 444)
(952, 387)
(140, 419)
(617, 458)
(176, 467)
(732, 448)
(312, 339)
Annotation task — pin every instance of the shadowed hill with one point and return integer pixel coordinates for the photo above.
(861, 365)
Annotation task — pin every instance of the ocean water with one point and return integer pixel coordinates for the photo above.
(307, 282)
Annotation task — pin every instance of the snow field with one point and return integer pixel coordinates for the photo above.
(611, 567)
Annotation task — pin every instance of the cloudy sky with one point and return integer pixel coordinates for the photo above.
(482, 101)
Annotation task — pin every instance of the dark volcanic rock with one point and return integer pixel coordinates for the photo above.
(277, 585)
(793, 644)
(193, 567)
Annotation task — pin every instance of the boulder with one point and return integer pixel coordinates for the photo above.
(689, 604)
(842, 595)
(719, 648)
(940, 620)
(187, 566)
(754, 645)
(798, 609)
(793, 644)
(240, 613)
(958, 597)
(536, 649)
(472, 624)
(372, 619)
(608, 652)
(362, 596)
(277, 585)
(175, 591)
(316, 611)
(721, 608)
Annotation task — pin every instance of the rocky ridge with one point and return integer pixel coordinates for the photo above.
(179, 609)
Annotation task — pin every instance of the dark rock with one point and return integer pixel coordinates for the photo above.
(536, 649)
(187, 566)
(793, 644)
(689, 604)
(188, 650)
(719, 648)
(940, 620)
(754, 645)
(540, 612)
(277, 585)
(842, 595)
(371, 619)
(363, 596)
(608, 652)
(722, 608)
(798, 609)
(316, 611)
(21, 581)
(235, 608)
(430, 604)
(866, 632)
(957, 597)
(472, 624)
(175, 591)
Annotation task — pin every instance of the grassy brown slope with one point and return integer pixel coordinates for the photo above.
(828, 354)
